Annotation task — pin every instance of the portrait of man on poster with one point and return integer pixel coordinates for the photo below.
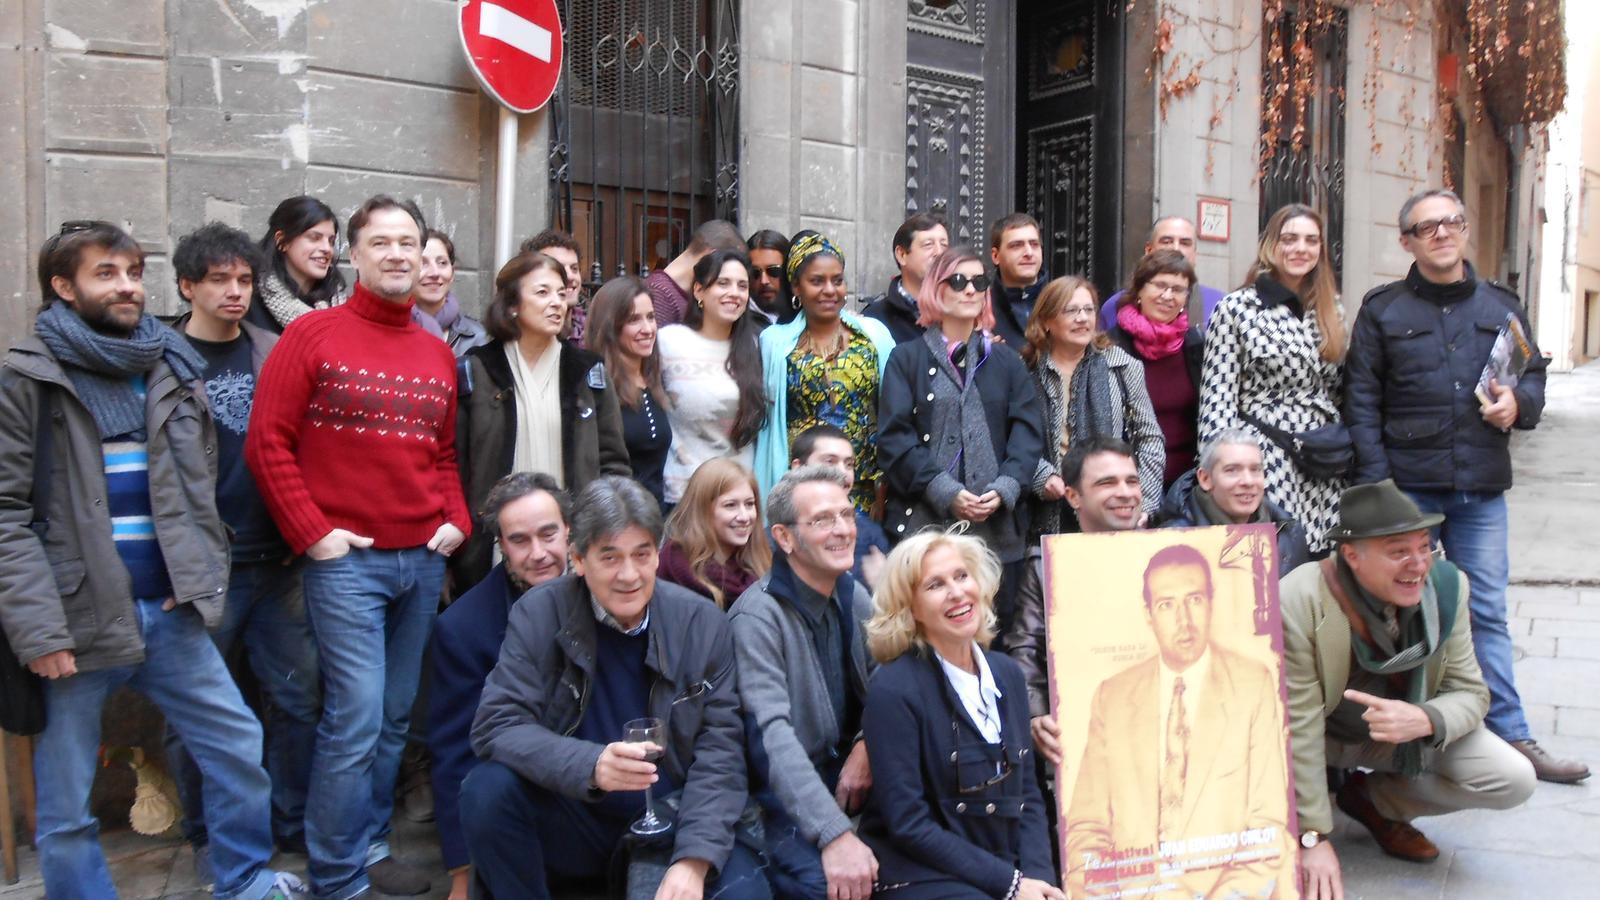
(1183, 777)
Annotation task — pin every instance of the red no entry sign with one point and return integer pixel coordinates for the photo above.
(514, 48)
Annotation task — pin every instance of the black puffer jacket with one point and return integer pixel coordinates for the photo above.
(1182, 510)
(1416, 353)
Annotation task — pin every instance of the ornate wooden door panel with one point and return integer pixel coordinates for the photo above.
(959, 112)
(1069, 99)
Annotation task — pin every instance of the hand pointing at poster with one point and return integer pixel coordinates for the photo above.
(1392, 721)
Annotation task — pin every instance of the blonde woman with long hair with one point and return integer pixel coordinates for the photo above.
(715, 544)
(1274, 362)
(946, 727)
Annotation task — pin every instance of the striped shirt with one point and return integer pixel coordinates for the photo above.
(127, 467)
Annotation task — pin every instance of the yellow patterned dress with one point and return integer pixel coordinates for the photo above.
(840, 389)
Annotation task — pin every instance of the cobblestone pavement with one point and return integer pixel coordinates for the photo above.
(1545, 849)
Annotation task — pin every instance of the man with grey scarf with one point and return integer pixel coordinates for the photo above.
(114, 561)
(1378, 655)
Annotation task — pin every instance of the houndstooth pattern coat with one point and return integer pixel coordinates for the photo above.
(1262, 359)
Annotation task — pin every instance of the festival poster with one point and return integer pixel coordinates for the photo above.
(1167, 680)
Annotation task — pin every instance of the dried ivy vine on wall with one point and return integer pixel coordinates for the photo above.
(1514, 52)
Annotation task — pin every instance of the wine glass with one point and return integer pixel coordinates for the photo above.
(648, 730)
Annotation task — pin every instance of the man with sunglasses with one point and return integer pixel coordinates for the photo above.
(800, 640)
(114, 560)
(1416, 353)
(1218, 767)
(1377, 652)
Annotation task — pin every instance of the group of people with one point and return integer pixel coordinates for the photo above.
(801, 542)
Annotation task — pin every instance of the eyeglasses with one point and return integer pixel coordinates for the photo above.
(1162, 290)
(1429, 227)
(1404, 557)
(959, 281)
(1078, 312)
(826, 521)
(773, 272)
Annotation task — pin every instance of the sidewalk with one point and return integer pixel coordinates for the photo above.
(1545, 849)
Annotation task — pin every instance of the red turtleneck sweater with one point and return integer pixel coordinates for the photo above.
(354, 427)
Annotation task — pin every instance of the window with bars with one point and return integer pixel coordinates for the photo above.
(1308, 50)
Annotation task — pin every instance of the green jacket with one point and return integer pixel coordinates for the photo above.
(69, 592)
(1317, 659)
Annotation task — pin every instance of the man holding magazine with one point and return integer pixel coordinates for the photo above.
(1417, 353)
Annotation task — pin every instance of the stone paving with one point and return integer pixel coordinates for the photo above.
(1547, 848)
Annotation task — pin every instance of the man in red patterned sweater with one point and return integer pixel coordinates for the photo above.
(352, 442)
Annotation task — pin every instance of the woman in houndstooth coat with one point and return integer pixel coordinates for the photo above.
(1275, 352)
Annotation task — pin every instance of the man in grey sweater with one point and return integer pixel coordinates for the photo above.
(800, 647)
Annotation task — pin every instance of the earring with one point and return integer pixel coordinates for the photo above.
(513, 314)
(700, 303)
(795, 302)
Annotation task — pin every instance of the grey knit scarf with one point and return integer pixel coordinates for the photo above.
(1090, 406)
(101, 366)
(281, 301)
(956, 397)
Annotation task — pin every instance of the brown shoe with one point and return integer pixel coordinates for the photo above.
(1398, 839)
(1551, 768)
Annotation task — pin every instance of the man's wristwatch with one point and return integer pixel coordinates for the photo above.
(1309, 839)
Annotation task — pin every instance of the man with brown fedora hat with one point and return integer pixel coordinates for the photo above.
(1382, 676)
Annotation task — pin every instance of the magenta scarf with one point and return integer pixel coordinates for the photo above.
(1152, 340)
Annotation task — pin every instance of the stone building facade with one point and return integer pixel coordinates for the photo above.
(840, 115)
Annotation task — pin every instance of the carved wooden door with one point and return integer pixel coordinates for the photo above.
(1068, 154)
(960, 113)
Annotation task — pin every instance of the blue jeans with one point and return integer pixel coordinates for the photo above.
(521, 835)
(183, 674)
(794, 864)
(267, 609)
(371, 611)
(1475, 538)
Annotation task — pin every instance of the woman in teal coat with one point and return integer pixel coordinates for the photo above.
(824, 366)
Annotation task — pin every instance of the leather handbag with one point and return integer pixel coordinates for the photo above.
(1324, 452)
(21, 691)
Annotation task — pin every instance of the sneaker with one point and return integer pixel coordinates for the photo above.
(286, 886)
(202, 868)
(1551, 768)
(391, 876)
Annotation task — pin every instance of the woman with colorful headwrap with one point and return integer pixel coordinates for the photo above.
(823, 367)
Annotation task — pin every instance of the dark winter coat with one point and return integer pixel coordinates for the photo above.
(1416, 353)
(919, 822)
(1182, 510)
(896, 311)
(486, 433)
(917, 456)
(540, 689)
(69, 591)
(463, 650)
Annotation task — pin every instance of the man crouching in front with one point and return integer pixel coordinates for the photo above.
(1377, 648)
(585, 656)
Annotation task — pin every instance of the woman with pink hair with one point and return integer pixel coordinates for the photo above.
(959, 421)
